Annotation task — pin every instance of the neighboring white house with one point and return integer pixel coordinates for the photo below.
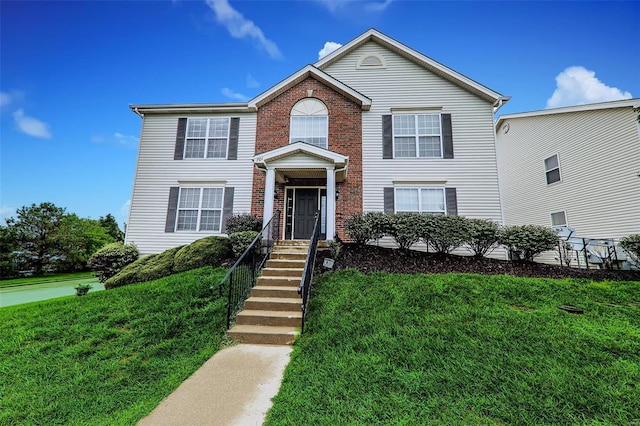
(374, 126)
(575, 166)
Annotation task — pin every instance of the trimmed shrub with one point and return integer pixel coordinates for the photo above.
(528, 241)
(243, 222)
(110, 259)
(446, 233)
(209, 251)
(405, 229)
(145, 269)
(241, 240)
(367, 227)
(631, 244)
(483, 236)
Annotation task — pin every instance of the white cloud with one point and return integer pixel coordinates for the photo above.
(329, 47)
(378, 6)
(123, 213)
(240, 27)
(117, 138)
(375, 6)
(6, 212)
(233, 95)
(126, 140)
(5, 98)
(31, 126)
(578, 86)
(252, 83)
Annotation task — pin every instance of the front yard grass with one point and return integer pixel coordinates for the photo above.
(464, 349)
(47, 278)
(110, 357)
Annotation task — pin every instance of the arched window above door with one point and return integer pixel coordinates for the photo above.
(310, 123)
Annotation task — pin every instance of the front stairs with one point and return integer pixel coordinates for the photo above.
(272, 314)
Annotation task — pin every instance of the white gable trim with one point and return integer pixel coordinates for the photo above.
(303, 74)
(338, 160)
(377, 37)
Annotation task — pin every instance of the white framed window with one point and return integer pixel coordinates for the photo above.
(207, 138)
(559, 218)
(417, 136)
(310, 123)
(552, 169)
(200, 209)
(421, 200)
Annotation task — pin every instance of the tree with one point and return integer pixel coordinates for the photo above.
(35, 232)
(77, 240)
(8, 247)
(110, 225)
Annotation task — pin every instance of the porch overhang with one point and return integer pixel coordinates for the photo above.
(302, 160)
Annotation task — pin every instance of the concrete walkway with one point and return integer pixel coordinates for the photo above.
(234, 387)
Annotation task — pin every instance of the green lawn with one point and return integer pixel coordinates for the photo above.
(464, 349)
(47, 278)
(110, 357)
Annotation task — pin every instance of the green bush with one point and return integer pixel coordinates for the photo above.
(145, 269)
(243, 222)
(110, 259)
(406, 229)
(483, 236)
(241, 240)
(367, 227)
(528, 241)
(209, 251)
(631, 244)
(446, 233)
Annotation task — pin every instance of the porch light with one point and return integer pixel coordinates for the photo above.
(337, 193)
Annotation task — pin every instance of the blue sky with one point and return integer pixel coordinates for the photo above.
(69, 70)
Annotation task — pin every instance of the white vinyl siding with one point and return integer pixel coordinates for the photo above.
(599, 152)
(404, 85)
(200, 209)
(420, 200)
(207, 138)
(417, 135)
(157, 172)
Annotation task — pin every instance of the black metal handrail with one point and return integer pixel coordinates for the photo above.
(243, 274)
(304, 290)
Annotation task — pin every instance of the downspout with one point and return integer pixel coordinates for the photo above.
(138, 113)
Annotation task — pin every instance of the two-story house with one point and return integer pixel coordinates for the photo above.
(373, 126)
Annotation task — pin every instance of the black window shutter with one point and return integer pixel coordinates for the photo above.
(447, 136)
(180, 135)
(172, 209)
(227, 207)
(387, 136)
(233, 138)
(452, 201)
(389, 206)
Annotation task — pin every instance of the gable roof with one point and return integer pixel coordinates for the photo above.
(303, 74)
(626, 103)
(424, 61)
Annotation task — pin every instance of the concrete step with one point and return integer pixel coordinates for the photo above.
(264, 335)
(282, 272)
(275, 291)
(278, 281)
(270, 318)
(286, 263)
(289, 255)
(272, 303)
(292, 243)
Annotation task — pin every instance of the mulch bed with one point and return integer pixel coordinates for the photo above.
(380, 259)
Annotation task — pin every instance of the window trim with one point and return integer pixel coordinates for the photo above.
(566, 221)
(206, 139)
(200, 210)
(419, 189)
(547, 171)
(417, 135)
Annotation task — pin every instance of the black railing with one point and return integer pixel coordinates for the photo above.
(243, 274)
(307, 276)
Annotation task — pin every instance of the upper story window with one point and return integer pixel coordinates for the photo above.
(199, 209)
(417, 135)
(552, 169)
(310, 123)
(207, 138)
(421, 200)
